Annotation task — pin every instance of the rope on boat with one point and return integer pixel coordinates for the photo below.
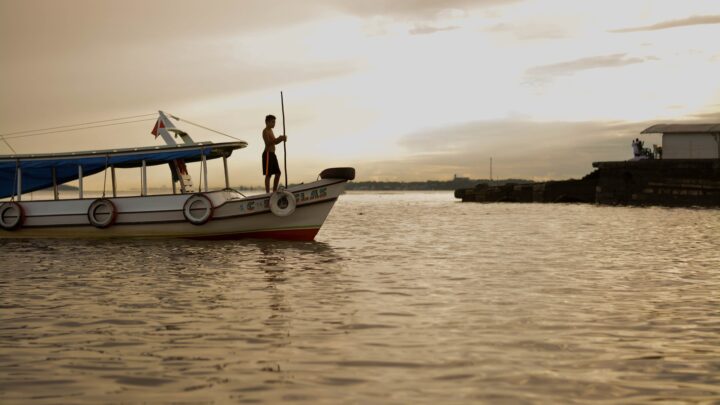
(78, 129)
(8, 144)
(203, 127)
(92, 124)
(68, 128)
(77, 125)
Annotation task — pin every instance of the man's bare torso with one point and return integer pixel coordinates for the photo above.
(269, 138)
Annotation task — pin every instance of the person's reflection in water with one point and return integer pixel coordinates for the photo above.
(273, 263)
(280, 268)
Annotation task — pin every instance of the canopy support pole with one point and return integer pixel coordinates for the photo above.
(114, 182)
(227, 177)
(80, 182)
(19, 183)
(56, 193)
(205, 176)
(143, 179)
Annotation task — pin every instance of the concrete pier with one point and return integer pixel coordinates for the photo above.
(547, 192)
(671, 182)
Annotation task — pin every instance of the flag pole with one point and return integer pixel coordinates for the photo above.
(282, 105)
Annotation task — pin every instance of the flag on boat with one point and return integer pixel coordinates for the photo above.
(158, 124)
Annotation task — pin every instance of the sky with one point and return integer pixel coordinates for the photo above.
(401, 90)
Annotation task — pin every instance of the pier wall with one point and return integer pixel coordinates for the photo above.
(547, 192)
(669, 182)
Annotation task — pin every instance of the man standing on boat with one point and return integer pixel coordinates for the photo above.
(269, 160)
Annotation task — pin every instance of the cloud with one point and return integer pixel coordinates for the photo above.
(117, 78)
(424, 29)
(705, 117)
(685, 22)
(530, 31)
(411, 9)
(139, 55)
(520, 148)
(59, 27)
(426, 16)
(544, 73)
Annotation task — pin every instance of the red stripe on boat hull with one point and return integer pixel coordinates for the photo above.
(287, 234)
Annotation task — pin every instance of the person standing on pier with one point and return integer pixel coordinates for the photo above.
(269, 160)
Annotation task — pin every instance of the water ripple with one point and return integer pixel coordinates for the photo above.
(404, 298)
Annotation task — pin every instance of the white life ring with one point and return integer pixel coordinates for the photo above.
(282, 203)
(198, 209)
(12, 215)
(102, 213)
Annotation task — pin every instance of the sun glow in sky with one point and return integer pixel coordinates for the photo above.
(402, 90)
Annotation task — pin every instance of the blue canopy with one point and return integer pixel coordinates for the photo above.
(37, 170)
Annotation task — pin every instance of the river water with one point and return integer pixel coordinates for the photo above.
(404, 298)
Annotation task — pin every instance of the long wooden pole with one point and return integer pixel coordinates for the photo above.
(282, 106)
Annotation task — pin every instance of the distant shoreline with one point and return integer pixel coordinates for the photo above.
(428, 184)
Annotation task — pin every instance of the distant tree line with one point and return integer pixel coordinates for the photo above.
(429, 184)
(388, 185)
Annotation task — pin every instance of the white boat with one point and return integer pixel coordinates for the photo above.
(295, 213)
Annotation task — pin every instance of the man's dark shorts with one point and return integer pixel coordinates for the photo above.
(269, 158)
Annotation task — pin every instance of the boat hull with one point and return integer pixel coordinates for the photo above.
(233, 216)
